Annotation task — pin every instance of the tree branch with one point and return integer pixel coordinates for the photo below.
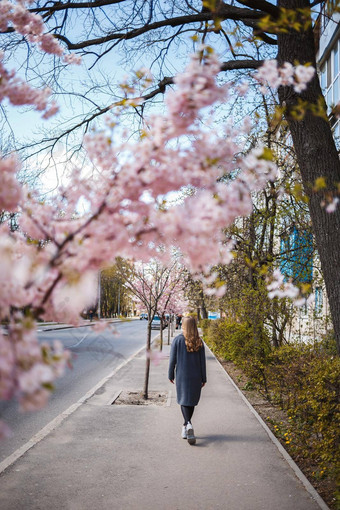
(261, 5)
(247, 16)
(51, 7)
(241, 64)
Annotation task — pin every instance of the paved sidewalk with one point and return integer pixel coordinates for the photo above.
(109, 457)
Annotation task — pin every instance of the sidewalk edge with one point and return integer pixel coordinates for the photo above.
(72, 326)
(61, 417)
(298, 473)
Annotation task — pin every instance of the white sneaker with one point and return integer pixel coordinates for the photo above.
(184, 432)
(190, 434)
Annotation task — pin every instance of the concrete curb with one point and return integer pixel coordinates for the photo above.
(61, 417)
(298, 473)
(55, 327)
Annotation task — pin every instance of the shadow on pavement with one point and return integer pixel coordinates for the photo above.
(223, 438)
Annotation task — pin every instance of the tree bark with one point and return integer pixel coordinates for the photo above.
(317, 157)
(147, 364)
(161, 336)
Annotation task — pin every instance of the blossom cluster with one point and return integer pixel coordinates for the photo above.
(27, 369)
(28, 24)
(16, 90)
(278, 287)
(288, 75)
(19, 93)
(10, 190)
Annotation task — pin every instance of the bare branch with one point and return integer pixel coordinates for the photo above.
(247, 16)
(241, 64)
(261, 5)
(51, 7)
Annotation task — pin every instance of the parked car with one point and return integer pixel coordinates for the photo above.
(143, 316)
(156, 323)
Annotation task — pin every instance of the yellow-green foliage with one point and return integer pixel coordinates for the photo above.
(237, 341)
(306, 383)
(302, 379)
(204, 325)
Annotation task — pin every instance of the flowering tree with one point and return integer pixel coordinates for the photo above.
(172, 300)
(150, 283)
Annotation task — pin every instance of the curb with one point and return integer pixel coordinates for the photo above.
(61, 417)
(298, 473)
(56, 328)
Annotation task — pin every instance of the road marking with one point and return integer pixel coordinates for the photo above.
(61, 417)
(80, 341)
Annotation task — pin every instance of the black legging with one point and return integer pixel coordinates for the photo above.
(187, 412)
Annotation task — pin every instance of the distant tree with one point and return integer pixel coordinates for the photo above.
(148, 283)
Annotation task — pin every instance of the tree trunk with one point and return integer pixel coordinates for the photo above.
(147, 364)
(204, 312)
(317, 157)
(161, 336)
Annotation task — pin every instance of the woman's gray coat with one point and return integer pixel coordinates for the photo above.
(190, 371)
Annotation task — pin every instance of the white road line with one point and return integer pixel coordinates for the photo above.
(80, 341)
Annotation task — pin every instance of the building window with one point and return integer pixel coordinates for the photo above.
(296, 255)
(327, 11)
(330, 84)
(318, 300)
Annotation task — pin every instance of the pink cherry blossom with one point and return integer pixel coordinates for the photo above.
(287, 75)
(330, 208)
(72, 58)
(10, 189)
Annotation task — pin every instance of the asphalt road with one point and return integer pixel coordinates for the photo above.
(95, 355)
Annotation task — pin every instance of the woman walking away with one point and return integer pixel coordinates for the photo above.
(188, 358)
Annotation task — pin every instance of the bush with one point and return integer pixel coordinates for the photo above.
(304, 380)
(235, 341)
(306, 383)
(204, 325)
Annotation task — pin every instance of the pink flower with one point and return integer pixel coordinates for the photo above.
(30, 381)
(100, 326)
(155, 356)
(72, 58)
(34, 401)
(10, 189)
(288, 75)
(330, 208)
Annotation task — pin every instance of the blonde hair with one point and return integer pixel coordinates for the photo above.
(190, 331)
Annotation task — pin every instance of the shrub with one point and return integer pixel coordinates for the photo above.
(306, 383)
(204, 325)
(304, 380)
(235, 341)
